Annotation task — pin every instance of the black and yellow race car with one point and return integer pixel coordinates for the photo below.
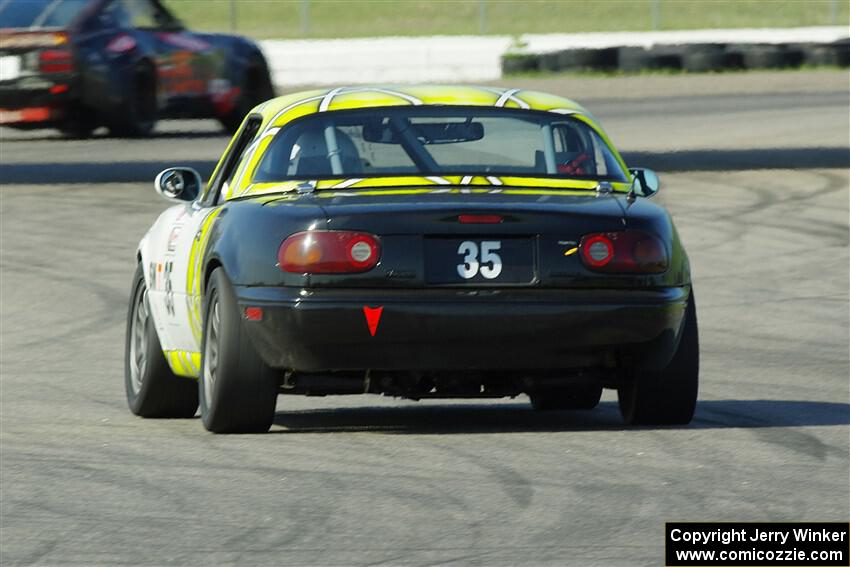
(80, 64)
(422, 242)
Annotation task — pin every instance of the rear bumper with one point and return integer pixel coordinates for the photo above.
(452, 329)
(42, 100)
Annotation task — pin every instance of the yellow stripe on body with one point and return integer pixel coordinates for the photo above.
(477, 185)
(184, 363)
(195, 274)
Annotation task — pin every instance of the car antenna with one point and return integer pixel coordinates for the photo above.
(631, 196)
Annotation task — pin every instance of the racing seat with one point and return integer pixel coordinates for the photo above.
(573, 155)
(579, 163)
(310, 158)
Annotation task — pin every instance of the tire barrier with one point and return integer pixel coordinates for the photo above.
(588, 59)
(695, 58)
(636, 59)
(549, 61)
(520, 63)
(768, 56)
(835, 54)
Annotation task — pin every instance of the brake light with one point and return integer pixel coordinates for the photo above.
(480, 219)
(629, 251)
(329, 252)
(55, 61)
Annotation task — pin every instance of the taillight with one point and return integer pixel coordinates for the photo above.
(55, 61)
(629, 251)
(329, 252)
(480, 219)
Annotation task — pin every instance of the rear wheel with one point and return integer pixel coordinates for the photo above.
(669, 396)
(238, 391)
(138, 114)
(152, 389)
(566, 398)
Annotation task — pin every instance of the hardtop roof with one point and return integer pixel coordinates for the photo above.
(282, 110)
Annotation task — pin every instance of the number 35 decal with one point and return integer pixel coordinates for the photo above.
(489, 263)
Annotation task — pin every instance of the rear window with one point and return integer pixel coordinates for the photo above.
(433, 141)
(39, 13)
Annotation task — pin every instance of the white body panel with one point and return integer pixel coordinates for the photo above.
(175, 303)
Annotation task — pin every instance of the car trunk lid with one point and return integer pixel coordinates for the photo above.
(456, 237)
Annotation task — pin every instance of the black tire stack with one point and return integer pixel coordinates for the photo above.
(693, 58)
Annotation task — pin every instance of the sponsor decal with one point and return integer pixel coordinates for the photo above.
(172, 238)
(184, 42)
(22, 40)
(121, 43)
(157, 279)
(218, 87)
(223, 95)
(177, 77)
(570, 245)
(169, 290)
(152, 275)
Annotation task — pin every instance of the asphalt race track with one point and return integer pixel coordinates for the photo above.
(758, 184)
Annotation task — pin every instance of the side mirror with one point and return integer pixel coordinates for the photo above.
(645, 181)
(178, 184)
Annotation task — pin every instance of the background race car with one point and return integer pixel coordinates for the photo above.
(80, 64)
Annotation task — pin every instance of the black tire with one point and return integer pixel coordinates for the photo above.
(830, 54)
(152, 389)
(588, 59)
(256, 88)
(237, 390)
(818, 55)
(688, 48)
(566, 398)
(520, 63)
(703, 61)
(841, 51)
(635, 59)
(769, 56)
(138, 114)
(550, 62)
(669, 396)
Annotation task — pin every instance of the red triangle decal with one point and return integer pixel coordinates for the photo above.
(373, 317)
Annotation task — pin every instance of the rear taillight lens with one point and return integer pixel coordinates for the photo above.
(329, 252)
(55, 61)
(628, 251)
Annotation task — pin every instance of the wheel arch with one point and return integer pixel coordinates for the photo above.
(212, 264)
